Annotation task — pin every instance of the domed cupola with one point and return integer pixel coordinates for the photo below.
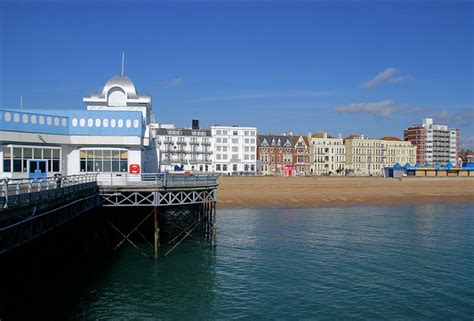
(119, 93)
(117, 90)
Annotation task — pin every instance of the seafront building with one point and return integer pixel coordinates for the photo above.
(111, 135)
(301, 154)
(183, 149)
(327, 154)
(274, 153)
(435, 143)
(234, 150)
(286, 155)
(368, 157)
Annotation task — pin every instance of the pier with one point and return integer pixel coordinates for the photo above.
(175, 205)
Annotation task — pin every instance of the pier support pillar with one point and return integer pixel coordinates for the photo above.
(157, 232)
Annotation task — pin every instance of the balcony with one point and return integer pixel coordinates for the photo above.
(206, 143)
(194, 143)
(181, 143)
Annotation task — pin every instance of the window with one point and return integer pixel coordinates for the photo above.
(107, 160)
(235, 140)
(234, 167)
(218, 167)
(224, 167)
(18, 159)
(235, 133)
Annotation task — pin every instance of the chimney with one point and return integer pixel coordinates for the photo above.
(196, 124)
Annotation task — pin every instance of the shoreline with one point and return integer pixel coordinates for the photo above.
(314, 192)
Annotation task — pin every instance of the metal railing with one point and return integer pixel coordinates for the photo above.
(155, 179)
(17, 192)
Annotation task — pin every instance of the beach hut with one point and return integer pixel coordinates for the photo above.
(417, 165)
(407, 166)
(427, 164)
(396, 171)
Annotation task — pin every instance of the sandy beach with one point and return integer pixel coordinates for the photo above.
(293, 192)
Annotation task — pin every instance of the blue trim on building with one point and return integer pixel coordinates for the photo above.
(74, 122)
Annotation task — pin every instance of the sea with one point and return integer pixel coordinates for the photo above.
(408, 262)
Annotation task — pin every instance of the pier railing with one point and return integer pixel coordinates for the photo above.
(17, 192)
(156, 179)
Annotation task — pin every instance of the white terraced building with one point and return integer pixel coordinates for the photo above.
(183, 149)
(327, 154)
(234, 149)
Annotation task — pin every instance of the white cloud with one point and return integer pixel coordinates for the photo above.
(389, 74)
(382, 108)
(463, 117)
(174, 82)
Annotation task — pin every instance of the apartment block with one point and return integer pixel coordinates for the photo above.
(435, 143)
(234, 149)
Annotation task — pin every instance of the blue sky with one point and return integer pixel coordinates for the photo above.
(372, 68)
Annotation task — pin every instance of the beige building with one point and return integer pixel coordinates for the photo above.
(368, 157)
(327, 154)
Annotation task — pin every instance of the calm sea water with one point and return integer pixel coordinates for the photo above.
(406, 262)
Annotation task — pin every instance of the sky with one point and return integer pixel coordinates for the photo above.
(354, 67)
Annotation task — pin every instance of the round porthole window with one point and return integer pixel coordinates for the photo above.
(112, 123)
(120, 123)
(136, 123)
(8, 116)
(128, 123)
(74, 122)
(105, 123)
(82, 122)
(49, 121)
(64, 122)
(25, 118)
(41, 120)
(16, 118)
(33, 119)
(56, 121)
(97, 122)
(90, 122)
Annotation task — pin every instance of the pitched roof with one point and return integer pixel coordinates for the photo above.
(391, 138)
(353, 136)
(273, 140)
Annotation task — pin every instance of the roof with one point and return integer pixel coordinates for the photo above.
(321, 135)
(391, 138)
(275, 140)
(353, 136)
(123, 82)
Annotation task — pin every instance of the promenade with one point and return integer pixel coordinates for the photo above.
(306, 192)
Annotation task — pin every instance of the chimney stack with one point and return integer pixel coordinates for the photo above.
(196, 124)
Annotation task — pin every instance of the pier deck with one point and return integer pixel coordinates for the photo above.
(30, 208)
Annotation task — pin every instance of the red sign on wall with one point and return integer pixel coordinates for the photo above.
(134, 169)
